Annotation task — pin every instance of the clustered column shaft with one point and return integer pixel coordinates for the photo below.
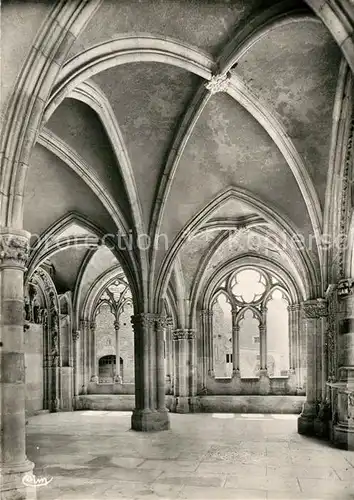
(185, 366)
(14, 248)
(150, 412)
(117, 377)
(313, 313)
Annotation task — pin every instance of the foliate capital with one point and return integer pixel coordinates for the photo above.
(294, 307)
(218, 83)
(143, 320)
(161, 322)
(14, 248)
(183, 334)
(76, 335)
(206, 313)
(85, 324)
(314, 309)
(345, 287)
(169, 321)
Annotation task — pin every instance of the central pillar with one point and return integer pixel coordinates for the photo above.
(15, 469)
(117, 377)
(314, 312)
(150, 413)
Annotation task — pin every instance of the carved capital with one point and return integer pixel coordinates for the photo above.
(85, 324)
(92, 326)
(183, 334)
(314, 309)
(294, 307)
(345, 288)
(14, 248)
(234, 313)
(116, 325)
(218, 83)
(161, 322)
(351, 399)
(206, 313)
(76, 335)
(143, 320)
(169, 321)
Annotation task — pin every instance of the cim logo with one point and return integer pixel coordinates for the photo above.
(35, 482)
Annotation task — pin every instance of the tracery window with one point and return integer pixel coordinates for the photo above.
(251, 325)
(114, 335)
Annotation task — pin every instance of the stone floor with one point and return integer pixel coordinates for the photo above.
(95, 455)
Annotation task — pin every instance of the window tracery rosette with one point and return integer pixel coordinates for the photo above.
(249, 288)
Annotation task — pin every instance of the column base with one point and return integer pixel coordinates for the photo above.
(236, 373)
(94, 379)
(305, 422)
(17, 482)
(321, 428)
(118, 379)
(185, 404)
(343, 436)
(321, 423)
(264, 382)
(150, 420)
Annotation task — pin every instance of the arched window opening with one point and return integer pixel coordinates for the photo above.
(114, 331)
(277, 335)
(249, 345)
(252, 334)
(107, 369)
(222, 336)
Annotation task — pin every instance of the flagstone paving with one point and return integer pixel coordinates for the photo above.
(95, 455)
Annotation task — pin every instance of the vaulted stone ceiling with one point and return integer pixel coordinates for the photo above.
(168, 146)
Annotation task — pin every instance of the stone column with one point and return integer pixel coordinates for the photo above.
(84, 332)
(169, 360)
(14, 248)
(235, 346)
(263, 340)
(184, 349)
(94, 368)
(343, 429)
(88, 342)
(294, 346)
(314, 313)
(146, 415)
(54, 357)
(161, 323)
(117, 377)
(76, 354)
(204, 348)
(207, 338)
(264, 382)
